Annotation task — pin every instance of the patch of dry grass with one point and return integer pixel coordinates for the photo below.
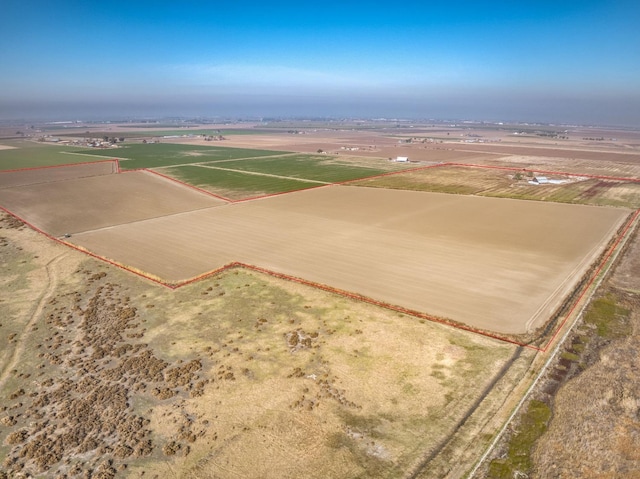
(287, 381)
(513, 184)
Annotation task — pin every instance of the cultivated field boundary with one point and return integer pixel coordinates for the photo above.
(578, 295)
(66, 165)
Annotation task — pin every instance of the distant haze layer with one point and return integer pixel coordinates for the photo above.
(563, 62)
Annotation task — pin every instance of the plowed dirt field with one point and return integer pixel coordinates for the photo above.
(73, 204)
(496, 264)
(503, 265)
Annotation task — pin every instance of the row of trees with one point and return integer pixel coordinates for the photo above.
(112, 139)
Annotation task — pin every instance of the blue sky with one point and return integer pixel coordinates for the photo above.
(572, 61)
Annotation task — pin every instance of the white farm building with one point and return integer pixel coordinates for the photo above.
(543, 180)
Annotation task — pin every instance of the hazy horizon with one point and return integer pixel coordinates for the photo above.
(554, 62)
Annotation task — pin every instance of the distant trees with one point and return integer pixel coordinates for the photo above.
(111, 139)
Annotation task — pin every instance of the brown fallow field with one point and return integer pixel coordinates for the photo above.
(86, 197)
(501, 265)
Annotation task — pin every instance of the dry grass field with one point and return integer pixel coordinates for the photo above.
(575, 166)
(241, 375)
(606, 396)
(510, 183)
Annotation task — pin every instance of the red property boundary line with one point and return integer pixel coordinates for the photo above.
(410, 312)
(382, 304)
(270, 195)
(392, 307)
(82, 250)
(392, 173)
(209, 193)
(326, 288)
(594, 276)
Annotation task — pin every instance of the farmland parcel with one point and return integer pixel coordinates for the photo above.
(230, 377)
(256, 376)
(496, 264)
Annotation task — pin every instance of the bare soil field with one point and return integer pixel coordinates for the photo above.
(35, 176)
(432, 154)
(6, 147)
(66, 206)
(485, 262)
(586, 424)
(238, 375)
(569, 153)
(451, 148)
(362, 144)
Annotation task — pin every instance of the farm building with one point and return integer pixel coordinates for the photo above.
(402, 159)
(543, 180)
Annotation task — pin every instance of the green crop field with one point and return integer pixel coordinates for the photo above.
(308, 167)
(29, 154)
(235, 185)
(155, 155)
(236, 179)
(235, 172)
